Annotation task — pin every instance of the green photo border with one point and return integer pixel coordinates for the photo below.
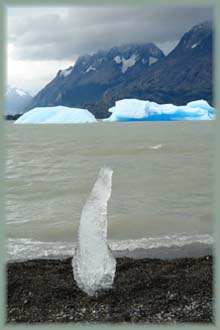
(216, 161)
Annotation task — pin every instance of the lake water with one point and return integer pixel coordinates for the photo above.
(161, 193)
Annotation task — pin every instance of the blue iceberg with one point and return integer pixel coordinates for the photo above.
(139, 110)
(56, 115)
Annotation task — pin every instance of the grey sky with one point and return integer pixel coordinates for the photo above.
(59, 35)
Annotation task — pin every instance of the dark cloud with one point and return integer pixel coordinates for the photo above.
(79, 30)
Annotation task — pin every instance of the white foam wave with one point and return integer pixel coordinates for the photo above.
(25, 249)
(157, 146)
(162, 241)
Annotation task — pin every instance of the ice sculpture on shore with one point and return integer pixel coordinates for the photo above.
(93, 263)
(139, 110)
(56, 115)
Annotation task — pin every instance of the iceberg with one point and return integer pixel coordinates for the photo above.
(93, 263)
(56, 115)
(140, 110)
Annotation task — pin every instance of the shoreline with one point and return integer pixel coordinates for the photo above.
(191, 250)
(144, 290)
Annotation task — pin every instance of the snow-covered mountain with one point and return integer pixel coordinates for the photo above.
(139, 71)
(194, 37)
(85, 83)
(184, 75)
(16, 100)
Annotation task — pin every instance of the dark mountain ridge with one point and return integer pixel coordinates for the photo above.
(182, 76)
(96, 81)
(92, 75)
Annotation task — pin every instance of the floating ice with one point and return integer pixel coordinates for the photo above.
(55, 115)
(139, 110)
(93, 263)
(202, 104)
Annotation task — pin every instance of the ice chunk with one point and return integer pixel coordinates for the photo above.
(54, 115)
(200, 104)
(139, 110)
(131, 108)
(93, 263)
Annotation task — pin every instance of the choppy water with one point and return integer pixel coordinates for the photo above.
(161, 194)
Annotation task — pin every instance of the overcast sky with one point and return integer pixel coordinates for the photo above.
(42, 40)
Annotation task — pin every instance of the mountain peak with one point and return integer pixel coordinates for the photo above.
(125, 56)
(135, 70)
(202, 27)
(195, 36)
(16, 100)
(16, 91)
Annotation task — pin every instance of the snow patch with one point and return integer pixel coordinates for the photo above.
(126, 63)
(144, 61)
(194, 45)
(152, 60)
(139, 110)
(56, 115)
(20, 92)
(91, 68)
(117, 59)
(65, 73)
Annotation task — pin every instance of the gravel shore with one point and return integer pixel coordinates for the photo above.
(145, 290)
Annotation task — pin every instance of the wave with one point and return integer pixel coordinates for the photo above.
(155, 147)
(26, 249)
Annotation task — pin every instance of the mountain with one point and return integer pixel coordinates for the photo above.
(84, 84)
(96, 81)
(182, 76)
(15, 101)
